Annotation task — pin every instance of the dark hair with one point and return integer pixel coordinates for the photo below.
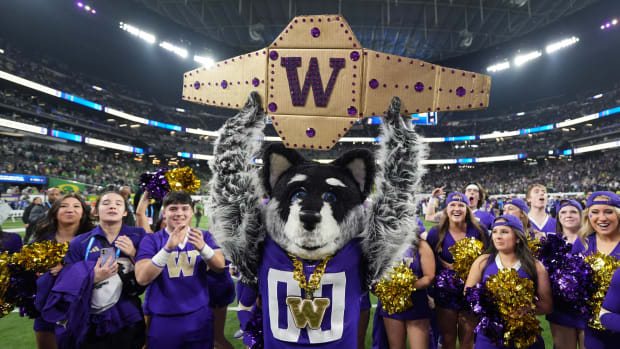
(177, 197)
(522, 250)
(111, 192)
(470, 220)
(558, 226)
(157, 225)
(49, 224)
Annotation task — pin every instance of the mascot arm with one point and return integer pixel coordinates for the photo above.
(392, 223)
(234, 193)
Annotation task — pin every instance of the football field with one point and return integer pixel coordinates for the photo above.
(16, 332)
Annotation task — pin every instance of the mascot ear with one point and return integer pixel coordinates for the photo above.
(361, 165)
(277, 159)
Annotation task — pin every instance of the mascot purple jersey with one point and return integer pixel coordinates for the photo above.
(313, 248)
(340, 284)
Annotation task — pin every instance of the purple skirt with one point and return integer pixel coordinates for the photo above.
(596, 339)
(482, 342)
(568, 320)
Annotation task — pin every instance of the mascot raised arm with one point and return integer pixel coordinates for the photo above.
(327, 231)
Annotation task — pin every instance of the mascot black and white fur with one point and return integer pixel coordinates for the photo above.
(315, 222)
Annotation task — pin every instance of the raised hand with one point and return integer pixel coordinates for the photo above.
(125, 245)
(177, 236)
(196, 238)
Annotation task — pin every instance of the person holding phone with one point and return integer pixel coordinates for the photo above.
(107, 255)
(173, 262)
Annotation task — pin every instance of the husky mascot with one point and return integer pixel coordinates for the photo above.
(314, 247)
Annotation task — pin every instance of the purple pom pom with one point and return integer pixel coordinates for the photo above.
(155, 183)
(449, 290)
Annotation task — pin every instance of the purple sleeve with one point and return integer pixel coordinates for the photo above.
(421, 225)
(12, 244)
(148, 248)
(611, 321)
(209, 240)
(612, 299)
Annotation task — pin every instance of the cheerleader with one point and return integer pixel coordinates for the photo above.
(566, 329)
(457, 222)
(518, 208)
(477, 198)
(414, 322)
(66, 219)
(95, 318)
(600, 232)
(509, 250)
(536, 197)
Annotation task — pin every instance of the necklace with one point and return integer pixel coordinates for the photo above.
(308, 311)
(315, 279)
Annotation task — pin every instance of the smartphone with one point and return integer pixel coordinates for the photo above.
(105, 254)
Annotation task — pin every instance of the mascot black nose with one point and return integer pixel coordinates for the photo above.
(309, 218)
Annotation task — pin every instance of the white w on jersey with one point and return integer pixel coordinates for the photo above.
(292, 333)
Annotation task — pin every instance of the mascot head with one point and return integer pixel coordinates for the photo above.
(315, 209)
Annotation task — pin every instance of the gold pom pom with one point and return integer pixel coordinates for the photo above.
(5, 308)
(183, 179)
(40, 256)
(533, 244)
(514, 297)
(604, 267)
(465, 252)
(395, 290)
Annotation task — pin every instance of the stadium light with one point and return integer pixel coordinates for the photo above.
(95, 87)
(522, 59)
(498, 67)
(148, 37)
(80, 4)
(206, 62)
(87, 8)
(597, 96)
(520, 113)
(562, 44)
(1, 51)
(170, 47)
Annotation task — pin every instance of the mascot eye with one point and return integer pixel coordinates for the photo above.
(299, 194)
(329, 197)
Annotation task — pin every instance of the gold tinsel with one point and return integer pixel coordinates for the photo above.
(604, 267)
(183, 179)
(395, 290)
(514, 297)
(465, 252)
(38, 257)
(5, 308)
(534, 244)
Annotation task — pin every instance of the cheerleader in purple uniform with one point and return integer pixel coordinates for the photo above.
(509, 250)
(414, 322)
(477, 198)
(567, 329)
(536, 197)
(66, 219)
(518, 208)
(600, 232)
(457, 222)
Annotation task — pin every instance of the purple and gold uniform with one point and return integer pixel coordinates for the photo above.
(493, 266)
(340, 284)
(595, 339)
(178, 299)
(548, 226)
(125, 315)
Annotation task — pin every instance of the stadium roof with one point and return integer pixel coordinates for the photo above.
(426, 29)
